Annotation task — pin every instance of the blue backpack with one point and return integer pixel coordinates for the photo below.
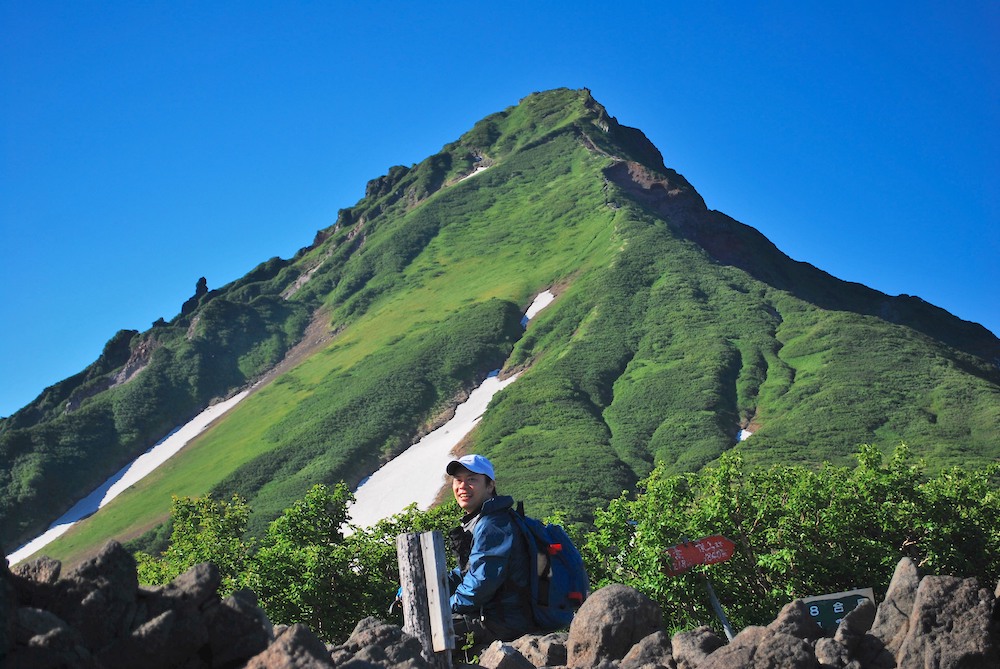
(558, 583)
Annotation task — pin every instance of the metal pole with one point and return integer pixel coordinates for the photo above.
(718, 610)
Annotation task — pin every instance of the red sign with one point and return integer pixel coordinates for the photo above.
(709, 550)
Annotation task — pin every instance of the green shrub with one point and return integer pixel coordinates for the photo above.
(304, 569)
(798, 532)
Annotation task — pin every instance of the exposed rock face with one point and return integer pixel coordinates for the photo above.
(374, 643)
(692, 648)
(952, 625)
(892, 621)
(543, 651)
(137, 362)
(98, 617)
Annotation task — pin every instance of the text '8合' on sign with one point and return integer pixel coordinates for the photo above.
(829, 610)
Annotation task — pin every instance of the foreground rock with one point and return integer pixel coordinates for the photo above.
(98, 617)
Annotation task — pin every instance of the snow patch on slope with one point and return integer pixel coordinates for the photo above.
(417, 475)
(128, 475)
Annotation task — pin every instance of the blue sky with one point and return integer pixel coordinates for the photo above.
(146, 144)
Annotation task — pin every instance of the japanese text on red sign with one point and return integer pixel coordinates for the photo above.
(709, 550)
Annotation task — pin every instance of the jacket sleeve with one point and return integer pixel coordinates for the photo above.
(454, 579)
(488, 565)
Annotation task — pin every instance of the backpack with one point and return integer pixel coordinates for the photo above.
(558, 583)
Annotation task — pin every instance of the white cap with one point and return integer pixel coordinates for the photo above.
(476, 464)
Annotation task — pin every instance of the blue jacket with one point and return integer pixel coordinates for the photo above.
(499, 554)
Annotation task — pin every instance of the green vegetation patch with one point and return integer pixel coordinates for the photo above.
(674, 328)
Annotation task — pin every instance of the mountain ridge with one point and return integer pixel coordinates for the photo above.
(677, 326)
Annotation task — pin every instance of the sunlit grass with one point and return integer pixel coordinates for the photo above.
(654, 351)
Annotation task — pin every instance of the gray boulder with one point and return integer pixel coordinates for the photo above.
(42, 570)
(98, 617)
(500, 655)
(295, 648)
(892, 620)
(548, 650)
(851, 640)
(652, 652)
(784, 651)
(762, 648)
(691, 648)
(855, 625)
(375, 643)
(794, 620)
(610, 622)
(951, 625)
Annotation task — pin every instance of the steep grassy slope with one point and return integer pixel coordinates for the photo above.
(397, 280)
(674, 327)
(671, 355)
(82, 430)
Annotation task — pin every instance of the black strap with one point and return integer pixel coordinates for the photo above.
(460, 541)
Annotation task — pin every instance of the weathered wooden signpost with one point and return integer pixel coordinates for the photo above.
(708, 550)
(426, 612)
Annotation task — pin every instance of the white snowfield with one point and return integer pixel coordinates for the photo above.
(418, 476)
(541, 301)
(128, 475)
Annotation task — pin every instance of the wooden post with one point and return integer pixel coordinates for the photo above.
(426, 613)
(438, 606)
(411, 578)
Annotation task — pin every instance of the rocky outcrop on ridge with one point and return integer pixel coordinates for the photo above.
(99, 617)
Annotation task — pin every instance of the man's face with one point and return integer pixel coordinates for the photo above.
(471, 490)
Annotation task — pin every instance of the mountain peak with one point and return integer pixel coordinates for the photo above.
(545, 112)
(675, 327)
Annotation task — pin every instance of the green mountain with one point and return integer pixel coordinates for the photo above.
(674, 327)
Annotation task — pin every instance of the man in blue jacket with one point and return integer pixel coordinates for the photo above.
(492, 574)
